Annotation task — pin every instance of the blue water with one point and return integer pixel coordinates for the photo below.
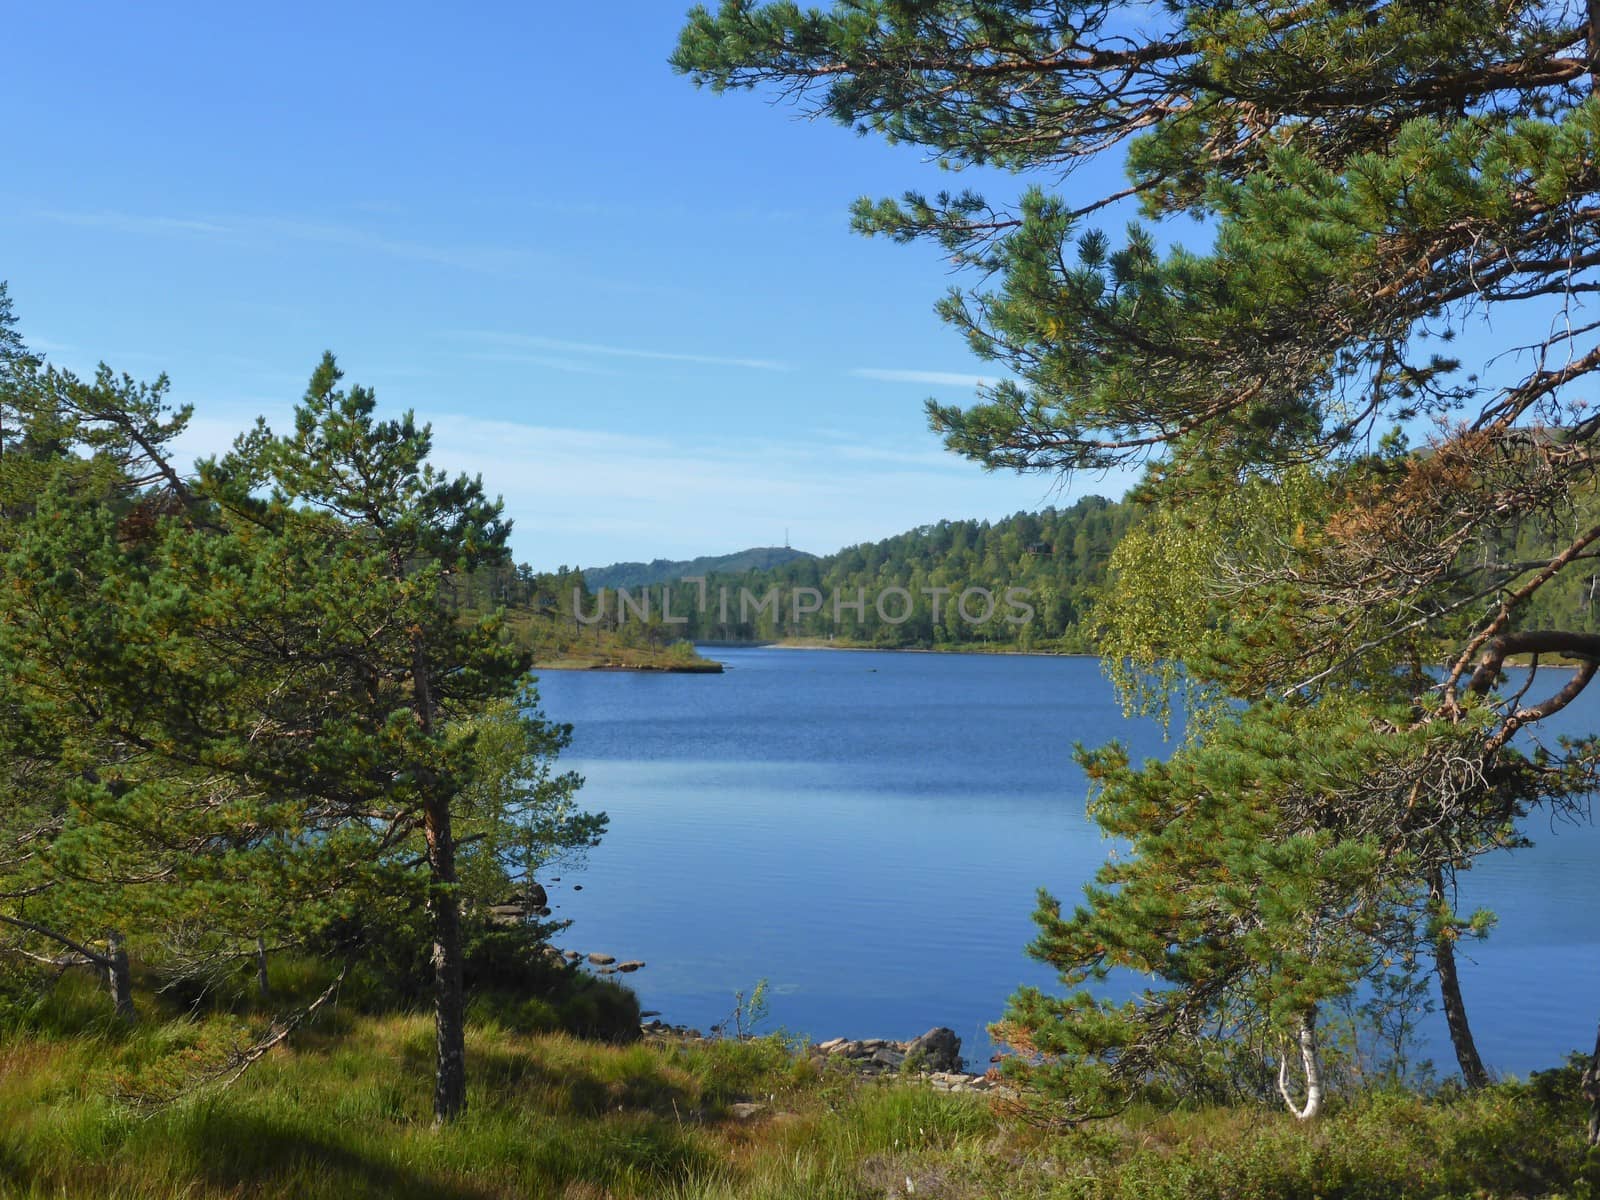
(867, 832)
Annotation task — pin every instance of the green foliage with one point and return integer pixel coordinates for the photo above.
(1265, 121)
(70, 1005)
(1388, 1145)
(1170, 620)
(1369, 180)
(517, 815)
(241, 712)
(517, 986)
(748, 1012)
(348, 1114)
(1056, 559)
(1251, 896)
(641, 575)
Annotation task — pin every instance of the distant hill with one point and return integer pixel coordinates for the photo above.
(1044, 570)
(640, 575)
(909, 587)
(924, 588)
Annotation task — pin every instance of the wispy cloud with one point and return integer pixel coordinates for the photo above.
(930, 378)
(600, 350)
(44, 345)
(572, 366)
(589, 495)
(276, 230)
(138, 223)
(933, 460)
(490, 259)
(678, 213)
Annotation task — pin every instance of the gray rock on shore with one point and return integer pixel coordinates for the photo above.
(937, 1050)
(508, 914)
(935, 1056)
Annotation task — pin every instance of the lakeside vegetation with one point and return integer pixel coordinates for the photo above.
(1054, 563)
(535, 613)
(87, 1108)
(1036, 577)
(1062, 560)
(278, 794)
(1347, 531)
(241, 715)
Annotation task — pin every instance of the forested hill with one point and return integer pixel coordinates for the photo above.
(662, 570)
(887, 591)
(1024, 582)
(1057, 559)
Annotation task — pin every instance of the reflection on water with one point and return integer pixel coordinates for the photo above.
(867, 831)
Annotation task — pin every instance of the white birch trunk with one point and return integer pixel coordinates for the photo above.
(1310, 1066)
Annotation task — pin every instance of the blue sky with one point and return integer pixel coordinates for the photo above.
(635, 307)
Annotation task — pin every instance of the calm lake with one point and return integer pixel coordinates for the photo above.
(867, 832)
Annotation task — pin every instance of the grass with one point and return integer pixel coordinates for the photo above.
(557, 645)
(625, 658)
(343, 1111)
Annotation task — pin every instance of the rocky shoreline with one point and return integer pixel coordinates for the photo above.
(934, 1057)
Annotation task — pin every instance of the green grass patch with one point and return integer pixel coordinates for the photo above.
(345, 1111)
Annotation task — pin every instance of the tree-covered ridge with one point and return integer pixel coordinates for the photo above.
(536, 613)
(1027, 581)
(664, 570)
(1061, 559)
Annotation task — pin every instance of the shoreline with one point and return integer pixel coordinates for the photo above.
(702, 668)
(712, 666)
(1515, 662)
(800, 644)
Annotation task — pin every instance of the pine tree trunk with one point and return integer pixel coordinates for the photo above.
(449, 986)
(1591, 1092)
(118, 978)
(1455, 1009)
(263, 987)
(1592, 43)
(449, 1001)
(1455, 1017)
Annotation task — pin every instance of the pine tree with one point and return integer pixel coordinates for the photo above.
(382, 729)
(80, 477)
(1372, 178)
(237, 710)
